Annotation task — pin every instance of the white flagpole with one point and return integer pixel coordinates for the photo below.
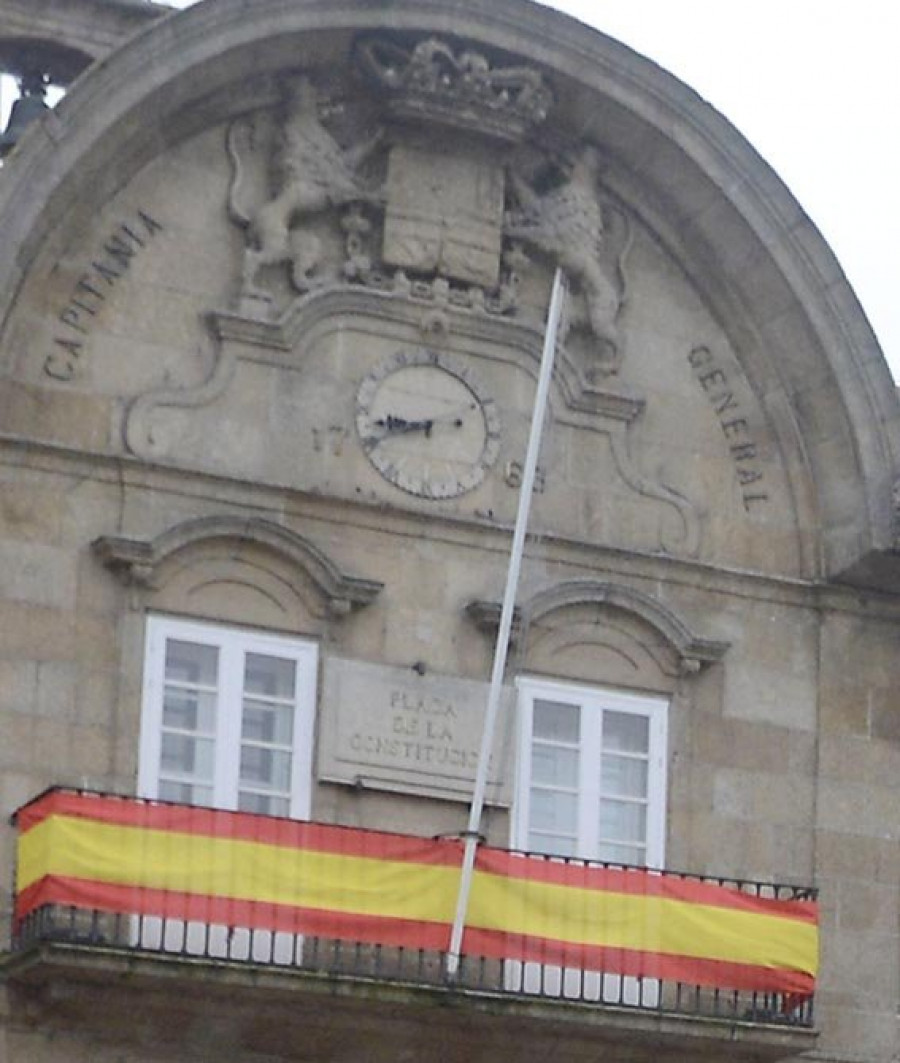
(554, 314)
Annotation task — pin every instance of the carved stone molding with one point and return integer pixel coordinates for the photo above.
(137, 562)
(284, 341)
(280, 340)
(277, 340)
(693, 651)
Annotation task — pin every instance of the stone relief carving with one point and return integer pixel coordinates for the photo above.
(443, 225)
(677, 525)
(137, 424)
(415, 217)
(448, 225)
(429, 196)
(587, 238)
(310, 172)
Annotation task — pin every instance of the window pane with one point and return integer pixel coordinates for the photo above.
(551, 844)
(622, 821)
(185, 793)
(626, 732)
(554, 811)
(189, 710)
(224, 725)
(271, 677)
(623, 776)
(185, 755)
(589, 779)
(264, 804)
(556, 721)
(553, 766)
(267, 723)
(266, 767)
(191, 662)
(622, 854)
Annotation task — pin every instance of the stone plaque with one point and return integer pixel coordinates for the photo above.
(444, 214)
(391, 729)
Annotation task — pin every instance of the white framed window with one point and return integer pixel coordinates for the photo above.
(227, 718)
(591, 773)
(590, 785)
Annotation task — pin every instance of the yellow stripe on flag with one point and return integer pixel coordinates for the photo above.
(643, 923)
(236, 869)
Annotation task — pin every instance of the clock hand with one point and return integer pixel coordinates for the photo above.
(399, 424)
(392, 424)
(455, 417)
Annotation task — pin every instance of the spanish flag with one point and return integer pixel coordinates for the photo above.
(236, 869)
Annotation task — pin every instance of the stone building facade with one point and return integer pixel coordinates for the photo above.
(273, 285)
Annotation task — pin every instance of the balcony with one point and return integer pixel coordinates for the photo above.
(230, 914)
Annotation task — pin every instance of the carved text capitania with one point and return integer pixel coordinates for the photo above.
(92, 289)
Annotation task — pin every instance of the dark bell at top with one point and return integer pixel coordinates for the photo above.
(29, 106)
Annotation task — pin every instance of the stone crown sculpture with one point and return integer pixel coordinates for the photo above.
(431, 83)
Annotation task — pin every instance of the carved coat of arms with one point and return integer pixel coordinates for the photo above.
(428, 201)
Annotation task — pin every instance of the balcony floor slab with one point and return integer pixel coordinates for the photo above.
(204, 1007)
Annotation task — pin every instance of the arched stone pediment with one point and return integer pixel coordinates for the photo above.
(583, 613)
(777, 361)
(192, 545)
(691, 648)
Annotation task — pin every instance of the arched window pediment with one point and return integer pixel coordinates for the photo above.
(692, 651)
(141, 562)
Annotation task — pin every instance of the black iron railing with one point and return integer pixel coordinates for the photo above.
(176, 938)
(134, 931)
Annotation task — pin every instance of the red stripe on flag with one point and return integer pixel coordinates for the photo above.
(415, 934)
(383, 845)
(598, 959)
(228, 912)
(241, 826)
(637, 881)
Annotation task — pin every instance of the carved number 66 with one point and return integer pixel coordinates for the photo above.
(514, 472)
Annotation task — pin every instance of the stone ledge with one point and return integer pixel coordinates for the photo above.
(214, 1005)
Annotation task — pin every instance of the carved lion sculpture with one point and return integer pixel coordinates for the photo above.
(310, 172)
(570, 225)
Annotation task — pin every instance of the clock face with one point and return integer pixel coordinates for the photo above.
(426, 424)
